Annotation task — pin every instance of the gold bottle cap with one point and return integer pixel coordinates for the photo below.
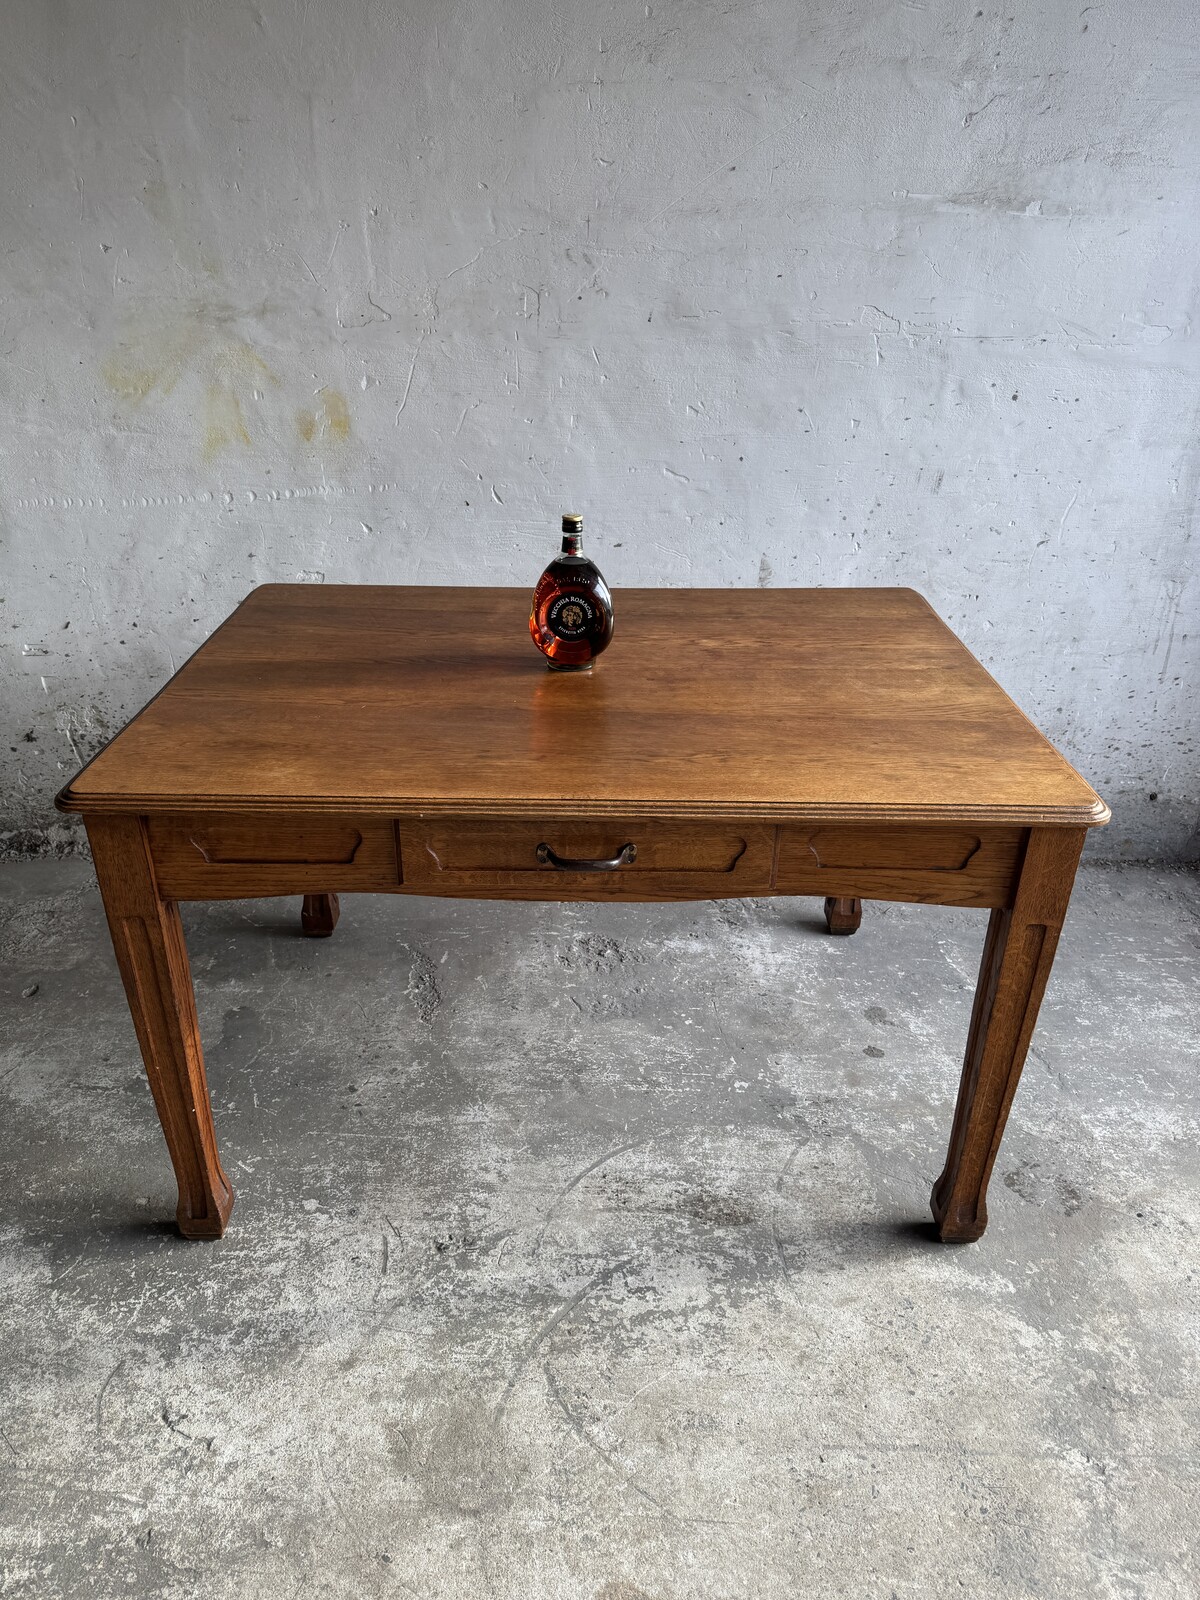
(572, 522)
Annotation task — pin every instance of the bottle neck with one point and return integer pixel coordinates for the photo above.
(572, 544)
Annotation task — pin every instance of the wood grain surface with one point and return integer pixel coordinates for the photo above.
(673, 861)
(1017, 956)
(844, 705)
(148, 940)
(839, 742)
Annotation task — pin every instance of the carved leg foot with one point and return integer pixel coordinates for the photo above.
(1017, 956)
(842, 915)
(319, 915)
(148, 940)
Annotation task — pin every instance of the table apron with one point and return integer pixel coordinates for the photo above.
(952, 865)
(220, 856)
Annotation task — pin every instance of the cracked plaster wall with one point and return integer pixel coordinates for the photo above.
(775, 293)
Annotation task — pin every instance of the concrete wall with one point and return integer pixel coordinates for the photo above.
(776, 293)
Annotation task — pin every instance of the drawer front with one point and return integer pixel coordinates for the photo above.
(524, 860)
(225, 857)
(953, 866)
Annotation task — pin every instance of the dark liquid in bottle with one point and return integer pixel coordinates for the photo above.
(571, 619)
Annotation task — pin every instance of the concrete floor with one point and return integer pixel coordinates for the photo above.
(581, 1252)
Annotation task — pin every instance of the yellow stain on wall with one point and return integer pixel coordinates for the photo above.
(224, 423)
(239, 362)
(150, 355)
(333, 421)
(337, 413)
(196, 348)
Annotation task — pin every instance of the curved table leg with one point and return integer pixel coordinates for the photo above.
(842, 914)
(319, 915)
(1017, 957)
(148, 939)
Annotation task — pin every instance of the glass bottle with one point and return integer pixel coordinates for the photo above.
(571, 619)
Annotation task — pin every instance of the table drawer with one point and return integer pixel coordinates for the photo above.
(217, 857)
(941, 866)
(654, 860)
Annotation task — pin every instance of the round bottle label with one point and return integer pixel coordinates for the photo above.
(570, 616)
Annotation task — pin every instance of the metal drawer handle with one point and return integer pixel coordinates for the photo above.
(624, 856)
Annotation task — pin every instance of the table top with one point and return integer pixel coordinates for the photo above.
(803, 704)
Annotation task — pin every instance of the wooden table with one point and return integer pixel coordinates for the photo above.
(831, 742)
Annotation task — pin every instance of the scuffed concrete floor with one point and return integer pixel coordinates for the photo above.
(580, 1252)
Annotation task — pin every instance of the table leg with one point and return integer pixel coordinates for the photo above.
(842, 915)
(148, 939)
(319, 915)
(1017, 956)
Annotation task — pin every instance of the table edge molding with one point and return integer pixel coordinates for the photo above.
(1092, 816)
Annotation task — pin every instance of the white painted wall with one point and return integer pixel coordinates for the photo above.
(780, 292)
